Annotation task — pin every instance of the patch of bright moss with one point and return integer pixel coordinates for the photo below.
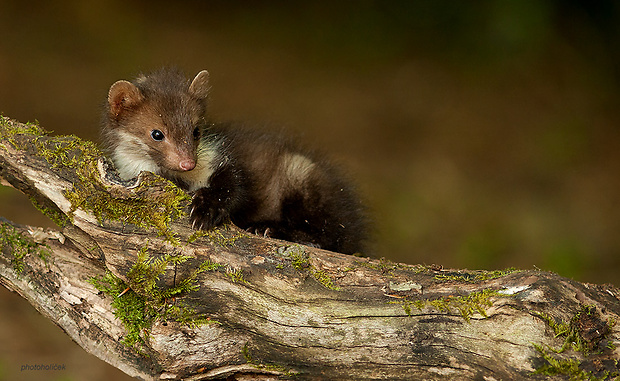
(54, 214)
(561, 329)
(569, 331)
(568, 367)
(556, 367)
(129, 308)
(141, 301)
(476, 276)
(10, 128)
(217, 236)
(324, 279)
(466, 305)
(236, 275)
(146, 272)
(156, 211)
(301, 262)
(21, 246)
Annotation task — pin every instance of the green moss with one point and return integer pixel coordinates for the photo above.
(324, 279)
(236, 275)
(145, 274)
(561, 329)
(129, 307)
(9, 129)
(54, 214)
(141, 301)
(208, 265)
(157, 210)
(21, 246)
(569, 331)
(465, 305)
(556, 367)
(573, 340)
(217, 236)
(568, 367)
(300, 260)
(245, 351)
(476, 276)
(69, 154)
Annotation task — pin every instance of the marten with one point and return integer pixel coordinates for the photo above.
(260, 181)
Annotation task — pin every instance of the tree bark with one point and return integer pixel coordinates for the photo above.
(128, 280)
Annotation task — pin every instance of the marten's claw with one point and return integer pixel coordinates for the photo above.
(204, 216)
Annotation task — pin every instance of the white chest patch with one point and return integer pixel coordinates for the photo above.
(131, 156)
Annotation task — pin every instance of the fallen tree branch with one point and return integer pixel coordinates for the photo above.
(131, 283)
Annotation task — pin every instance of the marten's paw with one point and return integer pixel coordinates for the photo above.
(207, 212)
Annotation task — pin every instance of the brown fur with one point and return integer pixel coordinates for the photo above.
(261, 181)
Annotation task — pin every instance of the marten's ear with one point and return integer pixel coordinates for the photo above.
(200, 85)
(123, 95)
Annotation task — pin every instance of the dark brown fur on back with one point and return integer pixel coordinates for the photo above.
(296, 194)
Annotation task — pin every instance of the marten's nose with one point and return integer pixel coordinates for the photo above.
(187, 165)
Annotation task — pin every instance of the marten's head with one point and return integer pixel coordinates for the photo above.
(155, 122)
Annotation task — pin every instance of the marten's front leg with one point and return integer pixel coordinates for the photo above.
(214, 204)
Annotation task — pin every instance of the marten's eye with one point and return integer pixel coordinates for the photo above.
(157, 135)
(196, 133)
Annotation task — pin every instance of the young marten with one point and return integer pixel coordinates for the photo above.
(260, 181)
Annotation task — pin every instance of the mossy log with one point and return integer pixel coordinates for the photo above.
(126, 277)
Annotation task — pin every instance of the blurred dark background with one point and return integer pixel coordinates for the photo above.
(483, 134)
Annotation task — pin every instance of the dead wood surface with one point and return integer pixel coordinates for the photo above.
(277, 310)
